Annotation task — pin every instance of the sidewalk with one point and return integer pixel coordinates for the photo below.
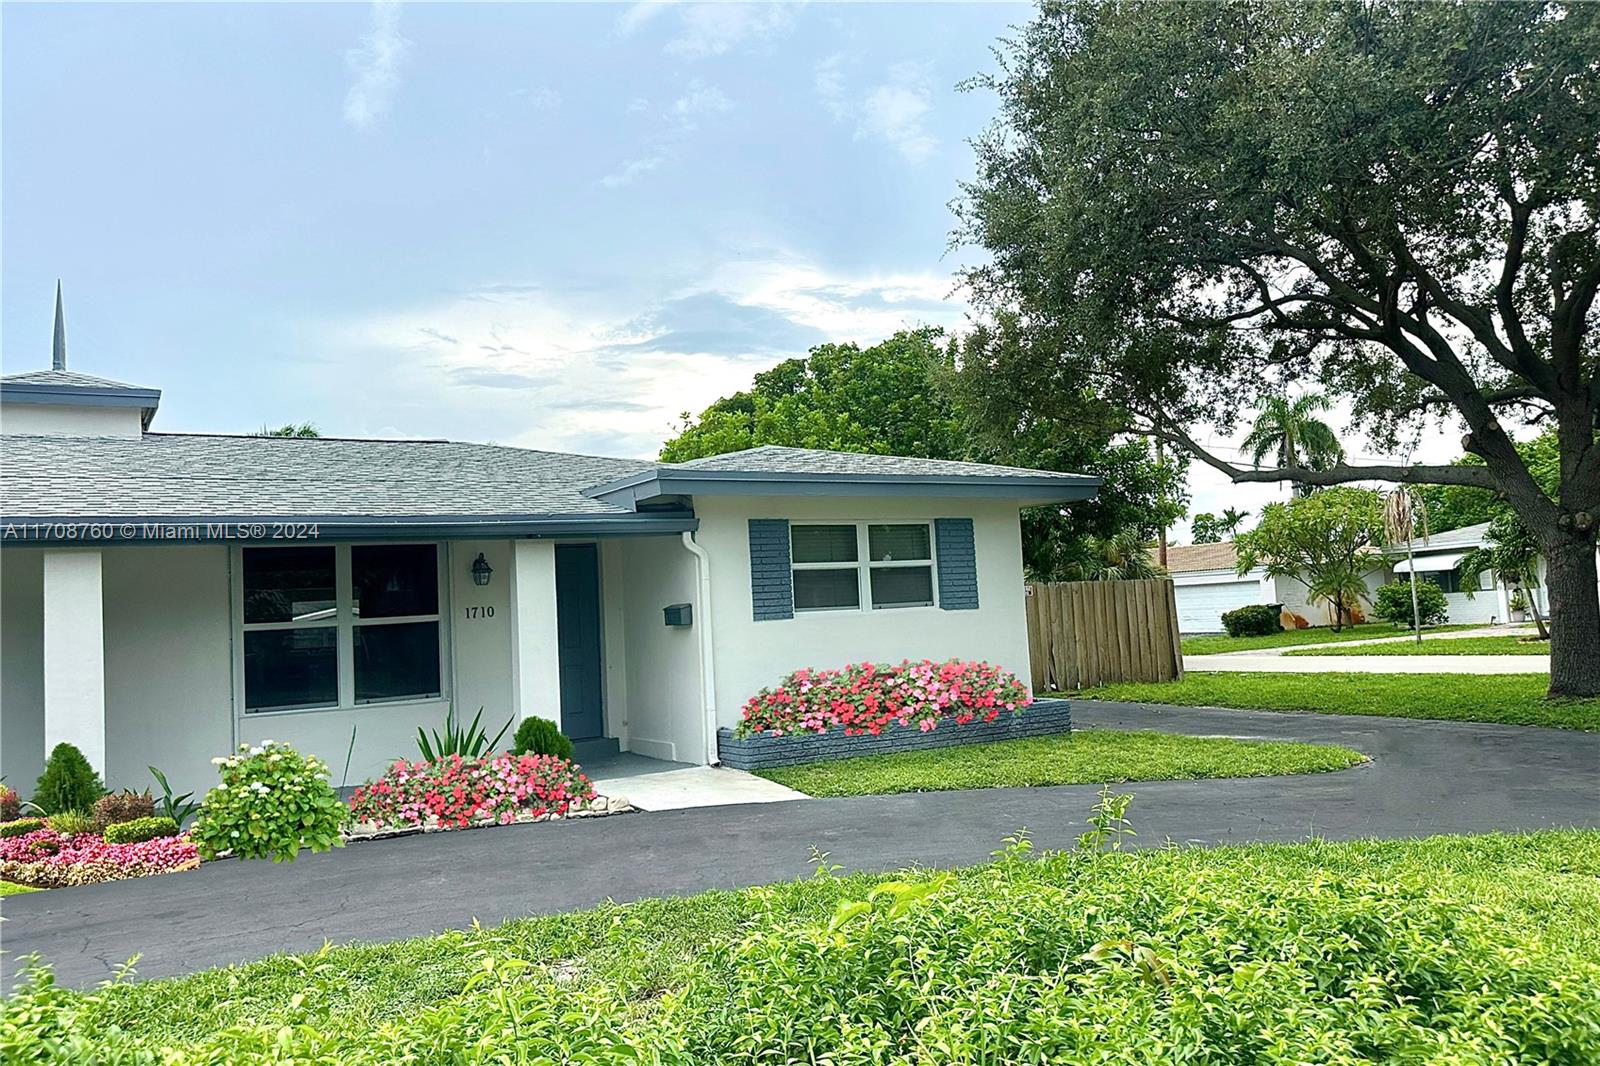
(1264, 662)
(1518, 630)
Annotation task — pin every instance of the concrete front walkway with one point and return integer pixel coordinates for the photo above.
(1425, 778)
(668, 786)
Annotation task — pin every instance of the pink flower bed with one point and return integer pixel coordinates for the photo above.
(871, 697)
(456, 792)
(45, 858)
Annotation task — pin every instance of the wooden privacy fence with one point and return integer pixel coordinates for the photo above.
(1085, 633)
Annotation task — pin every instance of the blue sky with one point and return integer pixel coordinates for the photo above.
(547, 225)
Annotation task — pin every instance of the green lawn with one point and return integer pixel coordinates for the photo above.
(1516, 699)
(1506, 645)
(1084, 757)
(1221, 643)
(9, 889)
(1452, 949)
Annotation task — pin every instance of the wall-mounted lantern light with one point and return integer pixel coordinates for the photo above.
(481, 570)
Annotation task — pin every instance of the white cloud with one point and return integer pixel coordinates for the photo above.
(711, 29)
(376, 63)
(677, 121)
(631, 171)
(568, 371)
(893, 112)
(699, 99)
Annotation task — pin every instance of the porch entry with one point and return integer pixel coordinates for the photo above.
(578, 640)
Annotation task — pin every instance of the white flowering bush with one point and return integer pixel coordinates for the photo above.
(272, 802)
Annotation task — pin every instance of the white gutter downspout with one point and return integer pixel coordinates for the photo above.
(708, 671)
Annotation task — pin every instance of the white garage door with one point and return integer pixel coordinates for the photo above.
(1200, 607)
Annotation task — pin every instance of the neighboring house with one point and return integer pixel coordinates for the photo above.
(165, 597)
(1439, 560)
(1208, 583)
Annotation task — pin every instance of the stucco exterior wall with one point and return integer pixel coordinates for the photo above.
(751, 655)
(168, 699)
(21, 667)
(168, 679)
(661, 664)
(70, 421)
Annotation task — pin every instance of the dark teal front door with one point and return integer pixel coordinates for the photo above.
(578, 637)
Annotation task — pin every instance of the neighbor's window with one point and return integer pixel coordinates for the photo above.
(840, 566)
(308, 611)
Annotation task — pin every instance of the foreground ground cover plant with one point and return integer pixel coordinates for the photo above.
(871, 697)
(45, 858)
(1082, 757)
(1513, 699)
(1447, 950)
(457, 792)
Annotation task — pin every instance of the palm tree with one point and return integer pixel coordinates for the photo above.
(1232, 520)
(1405, 514)
(1291, 432)
(1511, 552)
(1123, 556)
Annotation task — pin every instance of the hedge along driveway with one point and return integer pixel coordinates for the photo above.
(1425, 778)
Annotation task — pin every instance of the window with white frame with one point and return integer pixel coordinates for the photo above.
(339, 626)
(839, 566)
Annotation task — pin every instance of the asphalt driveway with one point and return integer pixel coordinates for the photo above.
(1425, 778)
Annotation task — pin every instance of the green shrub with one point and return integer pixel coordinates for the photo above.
(140, 829)
(1393, 603)
(1255, 620)
(272, 802)
(10, 804)
(68, 783)
(20, 827)
(124, 806)
(539, 736)
(70, 823)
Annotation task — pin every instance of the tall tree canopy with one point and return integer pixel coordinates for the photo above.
(909, 396)
(1397, 203)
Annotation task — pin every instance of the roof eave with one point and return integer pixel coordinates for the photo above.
(29, 392)
(261, 529)
(1029, 491)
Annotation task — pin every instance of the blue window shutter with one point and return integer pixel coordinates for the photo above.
(771, 582)
(958, 564)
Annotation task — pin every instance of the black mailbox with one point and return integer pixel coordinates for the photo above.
(679, 614)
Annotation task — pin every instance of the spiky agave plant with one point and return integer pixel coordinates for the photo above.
(1405, 513)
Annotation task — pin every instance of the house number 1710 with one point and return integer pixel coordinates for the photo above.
(478, 612)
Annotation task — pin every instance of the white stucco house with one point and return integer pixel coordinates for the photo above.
(1207, 584)
(167, 596)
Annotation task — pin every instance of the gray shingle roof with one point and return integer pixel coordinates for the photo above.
(1452, 540)
(67, 379)
(197, 475)
(775, 459)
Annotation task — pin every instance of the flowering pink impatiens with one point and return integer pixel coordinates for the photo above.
(45, 858)
(456, 792)
(871, 697)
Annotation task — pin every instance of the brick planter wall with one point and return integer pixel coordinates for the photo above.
(1043, 717)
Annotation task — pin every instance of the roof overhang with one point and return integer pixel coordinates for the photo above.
(89, 531)
(1429, 564)
(666, 481)
(33, 392)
